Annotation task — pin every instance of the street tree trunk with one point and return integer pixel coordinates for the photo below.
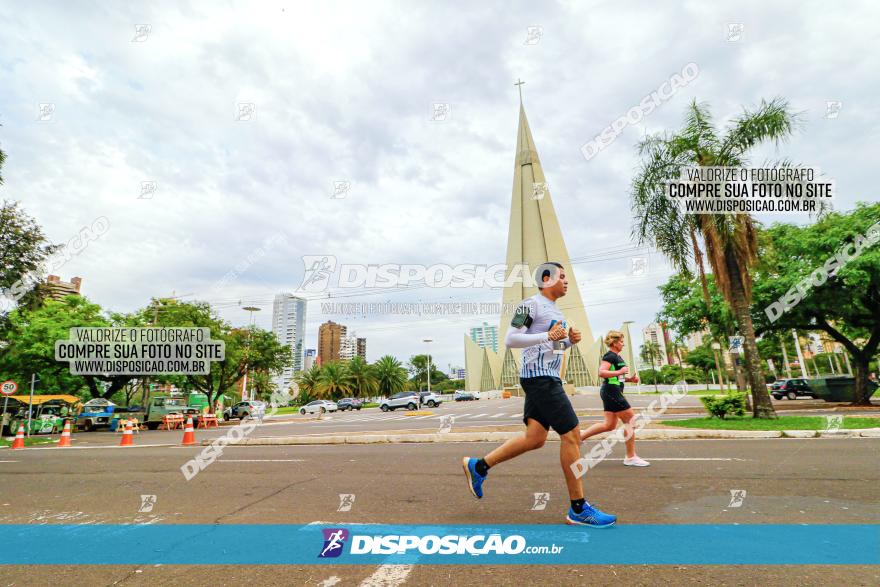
(762, 407)
(861, 358)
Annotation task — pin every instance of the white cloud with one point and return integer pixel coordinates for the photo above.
(343, 91)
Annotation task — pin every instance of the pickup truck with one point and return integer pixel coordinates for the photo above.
(160, 406)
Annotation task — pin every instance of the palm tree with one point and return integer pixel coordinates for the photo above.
(647, 352)
(334, 381)
(728, 240)
(308, 383)
(390, 375)
(363, 378)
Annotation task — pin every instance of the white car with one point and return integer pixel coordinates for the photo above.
(404, 399)
(319, 405)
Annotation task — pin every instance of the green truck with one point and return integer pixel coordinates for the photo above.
(160, 406)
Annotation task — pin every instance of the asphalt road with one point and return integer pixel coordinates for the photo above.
(786, 481)
(473, 414)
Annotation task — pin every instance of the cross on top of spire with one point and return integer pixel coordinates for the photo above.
(519, 83)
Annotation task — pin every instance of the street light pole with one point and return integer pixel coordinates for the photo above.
(244, 391)
(428, 341)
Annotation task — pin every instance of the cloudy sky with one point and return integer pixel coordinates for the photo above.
(144, 127)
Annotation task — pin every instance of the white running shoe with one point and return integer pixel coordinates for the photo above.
(636, 461)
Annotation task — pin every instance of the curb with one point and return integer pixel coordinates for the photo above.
(644, 434)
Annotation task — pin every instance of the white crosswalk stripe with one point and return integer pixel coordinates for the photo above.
(478, 416)
(498, 415)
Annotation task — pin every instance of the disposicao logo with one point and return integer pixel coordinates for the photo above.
(334, 542)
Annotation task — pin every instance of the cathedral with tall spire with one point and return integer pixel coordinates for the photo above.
(534, 237)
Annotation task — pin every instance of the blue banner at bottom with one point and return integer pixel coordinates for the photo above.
(368, 544)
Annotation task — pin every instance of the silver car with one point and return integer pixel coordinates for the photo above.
(404, 399)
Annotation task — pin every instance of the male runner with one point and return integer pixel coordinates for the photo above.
(535, 326)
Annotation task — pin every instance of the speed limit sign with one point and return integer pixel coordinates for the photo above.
(8, 387)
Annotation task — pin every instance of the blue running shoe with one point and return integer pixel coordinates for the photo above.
(474, 479)
(590, 516)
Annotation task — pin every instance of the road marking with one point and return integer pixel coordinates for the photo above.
(517, 415)
(106, 446)
(388, 576)
(8, 461)
(478, 416)
(498, 415)
(690, 459)
(261, 460)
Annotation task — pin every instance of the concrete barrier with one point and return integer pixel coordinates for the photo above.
(800, 433)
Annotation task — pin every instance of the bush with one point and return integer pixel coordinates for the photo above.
(733, 404)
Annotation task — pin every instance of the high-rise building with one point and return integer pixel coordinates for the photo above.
(57, 289)
(351, 347)
(347, 348)
(657, 334)
(485, 336)
(330, 341)
(288, 325)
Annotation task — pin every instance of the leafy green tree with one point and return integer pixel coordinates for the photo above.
(418, 368)
(685, 309)
(363, 377)
(23, 251)
(728, 240)
(391, 376)
(650, 377)
(261, 383)
(650, 352)
(846, 305)
(31, 348)
(448, 385)
(247, 349)
(335, 381)
(702, 357)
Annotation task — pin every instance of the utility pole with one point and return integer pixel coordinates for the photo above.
(429, 340)
(245, 396)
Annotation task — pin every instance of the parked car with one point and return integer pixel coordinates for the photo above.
(319, 405)
(404, 399)
(464, 396)
(430, 399)
(791, 388)
(245, 410)
(349, 403)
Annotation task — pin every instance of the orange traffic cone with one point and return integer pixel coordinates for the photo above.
(127, 436)
(189, 435)
(65, 435)
(19, 438)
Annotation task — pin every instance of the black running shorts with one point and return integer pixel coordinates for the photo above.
(547, 404)
(612, 398)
